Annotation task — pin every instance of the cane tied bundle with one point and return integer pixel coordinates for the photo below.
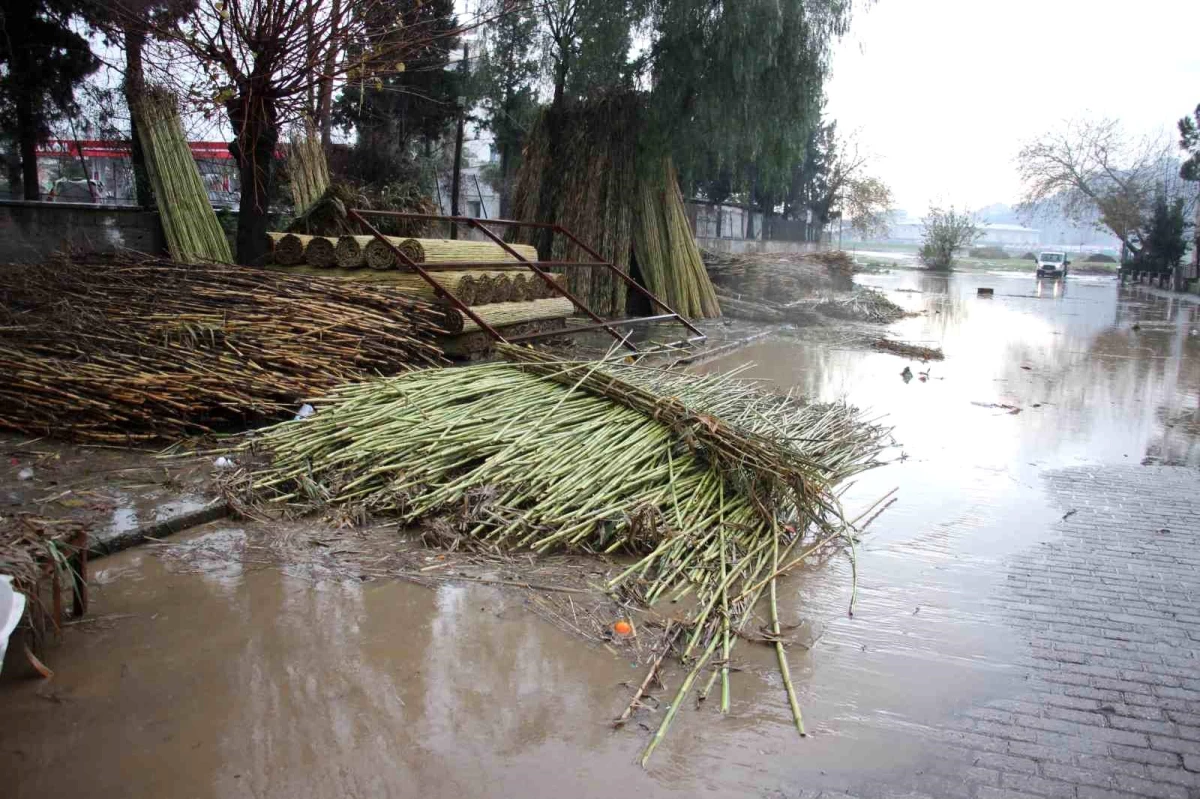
(715, 486)
(116, 350)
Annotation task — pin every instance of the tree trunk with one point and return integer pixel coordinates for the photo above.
(27, 141)
(324, 119)
(21, 66)
(551, 178)
(135, 84)
(256, 134)
(505, 181)
(12, 162)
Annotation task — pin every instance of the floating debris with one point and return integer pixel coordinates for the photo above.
(910, 350)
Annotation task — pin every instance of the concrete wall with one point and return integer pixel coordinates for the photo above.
(740, 246)
(29, 231)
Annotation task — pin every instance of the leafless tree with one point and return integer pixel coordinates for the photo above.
(867, 202)
(1089, 170)
(268, 63)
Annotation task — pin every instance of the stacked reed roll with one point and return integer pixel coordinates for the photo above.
(288, 248)
(379, 256)
(503, 314)
(350, 251)
(321, 252)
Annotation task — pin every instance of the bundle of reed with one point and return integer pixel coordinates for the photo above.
(778, 278)
(350, 251)
(665, 248)
(540, 290)
(502, 314)
(320, 252)
(589, 180)
(189, 222)
(472, 287)
(520, 287)
(595, 457)
(478, 344)
(111, 350)
(906, 350)
(308, 171)
(439, 251)
(328, 214)
(288, 249)
(379, 256)
(503, 288)
(862, 304)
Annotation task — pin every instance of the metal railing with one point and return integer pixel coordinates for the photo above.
(608, 325)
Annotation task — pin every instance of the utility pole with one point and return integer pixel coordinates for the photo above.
(456, 178)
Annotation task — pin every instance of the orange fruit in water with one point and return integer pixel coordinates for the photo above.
(623, 628)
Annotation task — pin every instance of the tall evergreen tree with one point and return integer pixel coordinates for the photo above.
(740, 84)
(505, 86)
(44, 60)
(392, 109)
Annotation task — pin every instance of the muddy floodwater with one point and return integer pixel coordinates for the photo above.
(240, 678)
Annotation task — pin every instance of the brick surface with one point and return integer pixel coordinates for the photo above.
(1108, 608)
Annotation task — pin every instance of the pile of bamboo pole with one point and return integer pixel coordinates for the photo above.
(308, 171)
(189, 222)
(116, 350)
(715, 487)
(591, 182)
(621, 201)
(665, 248)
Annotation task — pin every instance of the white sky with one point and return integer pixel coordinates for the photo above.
(943, 92)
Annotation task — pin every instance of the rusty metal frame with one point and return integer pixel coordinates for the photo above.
(536, 267)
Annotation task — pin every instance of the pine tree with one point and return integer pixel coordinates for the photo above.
(44, 60)
(392, 109)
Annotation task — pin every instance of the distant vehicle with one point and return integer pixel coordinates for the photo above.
(77, 191)
(1052, 264)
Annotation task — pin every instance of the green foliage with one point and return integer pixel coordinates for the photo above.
(1029, 256)
(738, 86)
(945, 232)
(1165, 239)
(1100, 258)
(42, 61)
(812, 181)
(390, 107)
(991, 253)
(868, 204)
(1189, 142)
(504, 84)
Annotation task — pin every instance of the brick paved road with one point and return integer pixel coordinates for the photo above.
(1110, 609)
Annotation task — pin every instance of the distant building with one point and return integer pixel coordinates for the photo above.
(1009, 235)
(111, 172)
(905, 230)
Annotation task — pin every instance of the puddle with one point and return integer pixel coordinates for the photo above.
(245, 679)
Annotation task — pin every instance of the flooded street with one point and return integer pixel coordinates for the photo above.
(245, 679)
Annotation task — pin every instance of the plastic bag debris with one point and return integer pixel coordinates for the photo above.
(25, 474)
(12, 607)
(306, 411)
(224, 463)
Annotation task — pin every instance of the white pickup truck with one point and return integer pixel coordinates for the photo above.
(1052, 264)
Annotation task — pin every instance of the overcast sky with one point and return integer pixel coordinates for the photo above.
(943, 92)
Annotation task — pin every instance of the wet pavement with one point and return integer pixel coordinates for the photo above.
(242, 679)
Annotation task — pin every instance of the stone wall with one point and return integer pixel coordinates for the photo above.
(29, 231)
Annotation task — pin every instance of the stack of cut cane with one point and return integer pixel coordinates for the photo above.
(500, 290)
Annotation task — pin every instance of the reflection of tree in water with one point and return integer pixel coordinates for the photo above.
(1117, 388)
